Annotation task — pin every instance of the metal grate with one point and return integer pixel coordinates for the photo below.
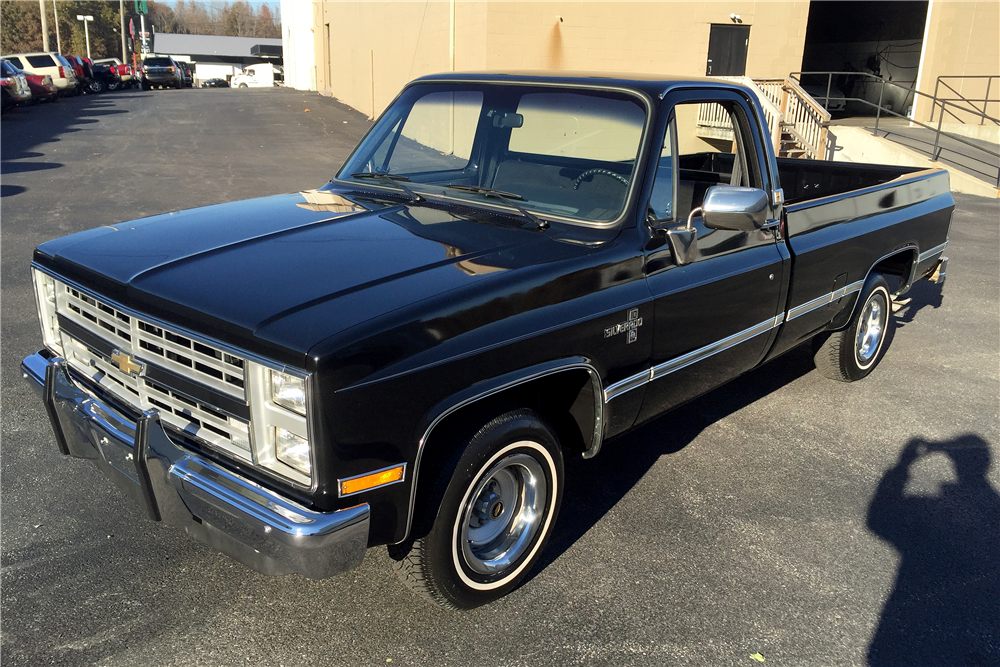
(193, 359)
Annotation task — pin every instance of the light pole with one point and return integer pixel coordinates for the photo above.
(86, 31)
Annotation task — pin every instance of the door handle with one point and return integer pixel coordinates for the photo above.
(770, 225)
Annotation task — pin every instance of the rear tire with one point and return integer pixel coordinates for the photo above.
(854, 352)
(97, 86)
(243, 85)
(485, 520)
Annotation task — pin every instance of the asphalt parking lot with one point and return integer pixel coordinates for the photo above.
(747, 523)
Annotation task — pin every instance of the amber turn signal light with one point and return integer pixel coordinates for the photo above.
(383, 477)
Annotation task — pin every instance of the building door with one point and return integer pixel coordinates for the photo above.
(727, 50)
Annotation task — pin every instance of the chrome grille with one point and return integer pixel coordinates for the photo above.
(175, 352)
(153, 344)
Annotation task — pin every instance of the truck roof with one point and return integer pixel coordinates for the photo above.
(651, 84)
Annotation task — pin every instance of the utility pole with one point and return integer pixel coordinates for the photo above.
(121, 10)
(45, 26)
(55, 16)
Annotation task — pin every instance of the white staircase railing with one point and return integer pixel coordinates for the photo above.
(797, 123)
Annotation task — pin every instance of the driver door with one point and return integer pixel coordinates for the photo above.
(715, 316)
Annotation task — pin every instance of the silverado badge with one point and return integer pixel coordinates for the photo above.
(630, 325)
(125, 364)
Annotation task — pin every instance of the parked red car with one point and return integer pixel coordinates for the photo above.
(84, 75)
(42, 88)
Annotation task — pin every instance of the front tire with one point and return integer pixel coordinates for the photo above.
(496, 504)
(854, 352)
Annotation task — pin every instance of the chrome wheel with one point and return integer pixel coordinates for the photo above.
(853, 352)
(871, 327)
(482, 527)
(503, 514)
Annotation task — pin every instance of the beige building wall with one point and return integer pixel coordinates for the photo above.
(377, 47)
(962, 39)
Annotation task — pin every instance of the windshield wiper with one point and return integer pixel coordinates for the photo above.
(505, 197)
(391, 179)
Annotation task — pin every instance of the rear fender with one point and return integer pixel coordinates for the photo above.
(901, 262)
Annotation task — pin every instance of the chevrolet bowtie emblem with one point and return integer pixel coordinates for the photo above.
(124, 363)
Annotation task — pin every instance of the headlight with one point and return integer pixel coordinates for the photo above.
(291, 449)
(45, 300)
(279, 428)
(288, 391)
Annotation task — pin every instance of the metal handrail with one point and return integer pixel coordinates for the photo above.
(935, 100)
(879, 109)
(985, 99)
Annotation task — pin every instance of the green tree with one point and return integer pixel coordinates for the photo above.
(105, 36)
(21, 27)
(239, 19)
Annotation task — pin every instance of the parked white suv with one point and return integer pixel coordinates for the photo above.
(51, 64)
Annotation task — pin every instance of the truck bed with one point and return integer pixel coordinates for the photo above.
(803, 180)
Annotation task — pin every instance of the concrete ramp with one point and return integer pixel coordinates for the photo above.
(904, 147)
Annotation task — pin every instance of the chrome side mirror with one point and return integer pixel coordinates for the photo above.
(683, 240)
(735, 208)
(683, 244)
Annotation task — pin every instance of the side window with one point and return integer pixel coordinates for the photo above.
(662, 198)
(714, 147)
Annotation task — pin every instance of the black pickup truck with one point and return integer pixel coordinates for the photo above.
(509, 269)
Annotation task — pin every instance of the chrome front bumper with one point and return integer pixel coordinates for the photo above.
(257, 527)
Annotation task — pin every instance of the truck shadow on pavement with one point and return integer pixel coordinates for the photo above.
(593, 490)
(945, 606)
(923, 294)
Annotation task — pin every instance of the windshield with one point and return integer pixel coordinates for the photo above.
(157, 62)
(561, 153)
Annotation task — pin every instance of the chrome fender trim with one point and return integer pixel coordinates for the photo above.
(693, 357)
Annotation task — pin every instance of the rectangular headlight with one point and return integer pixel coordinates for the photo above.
(288, 391)
(279, 425)
(291, 449)
(45, 300)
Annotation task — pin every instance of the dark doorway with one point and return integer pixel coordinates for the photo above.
(727, 50)
(882, 38)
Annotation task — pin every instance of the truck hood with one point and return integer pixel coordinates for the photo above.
(239, 271)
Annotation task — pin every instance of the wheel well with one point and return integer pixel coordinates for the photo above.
(900, 265)
(566, 400)
(898, 269)
(570, 400)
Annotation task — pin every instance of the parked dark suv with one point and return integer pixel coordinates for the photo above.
(161, 71)
(187, 74)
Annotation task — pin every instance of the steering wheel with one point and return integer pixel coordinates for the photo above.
(593, 172)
